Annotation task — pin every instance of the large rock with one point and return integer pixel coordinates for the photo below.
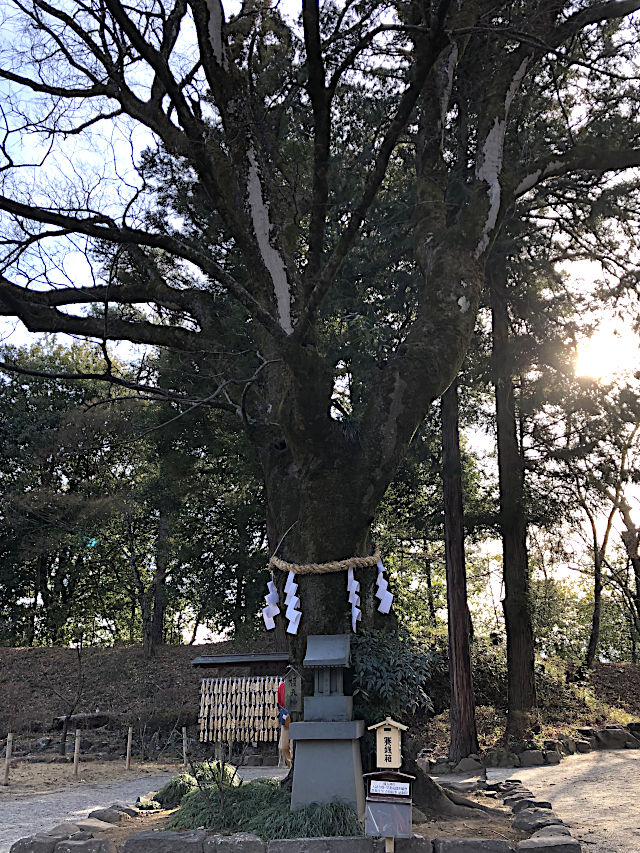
(586, 731)
(240, 842)
(128, 810)
(470, 764)
(39, 843)
(471, 845)
(89, 845)
(584, 746)
(166, 842)
(528, 820)
(321, 845)
(110, 815)
(500, 758)
(552, 756)
(549, 845)
(551, 831)
(65, 830)
(567, 744)
(614, 737)
(92, 824)
(531, 758)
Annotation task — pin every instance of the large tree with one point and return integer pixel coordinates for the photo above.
(230, 237)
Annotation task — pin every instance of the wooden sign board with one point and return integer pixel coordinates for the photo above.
(389, 744)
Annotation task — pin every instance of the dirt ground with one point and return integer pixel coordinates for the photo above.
(30, 779)
(483, 825)
(597, 795)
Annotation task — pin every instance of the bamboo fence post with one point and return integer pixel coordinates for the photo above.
(76, 754)
(7, 760)
(129, 739)
(184, 747)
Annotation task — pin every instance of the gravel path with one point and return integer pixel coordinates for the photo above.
(27, 815)
(44, 811)
(597, 795)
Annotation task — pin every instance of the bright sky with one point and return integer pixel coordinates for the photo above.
(612, 351)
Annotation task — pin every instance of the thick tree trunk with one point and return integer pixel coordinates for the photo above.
(464, 737)
(317, 516)
(521, 698)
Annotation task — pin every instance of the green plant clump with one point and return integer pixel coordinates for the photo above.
(172, 793)
(262, 807)
(209, 774)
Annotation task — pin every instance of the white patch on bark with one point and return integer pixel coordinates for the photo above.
(489, 165)
(445, 85)
(464, 304)
(528, 181)
(271, 257)
(515, 84)
(488, 169)
(214, 7)
(552, 168)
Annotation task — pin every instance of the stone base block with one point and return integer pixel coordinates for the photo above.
(471, 845)
(166, 842)
(327, 770)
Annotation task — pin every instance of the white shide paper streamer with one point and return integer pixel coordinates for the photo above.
(386, 597)
(272, 609)
(353, 588)
(292, 603)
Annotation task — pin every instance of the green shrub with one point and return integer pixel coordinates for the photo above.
(262, 807)
(209, 773)
(172, 793)
(392, 675)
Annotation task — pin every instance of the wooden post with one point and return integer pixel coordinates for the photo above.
(184, 747)
(129, 739)
(389, 845)
(7, 760)
(76, 754)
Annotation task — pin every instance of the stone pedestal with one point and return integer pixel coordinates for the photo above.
(327, 764)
